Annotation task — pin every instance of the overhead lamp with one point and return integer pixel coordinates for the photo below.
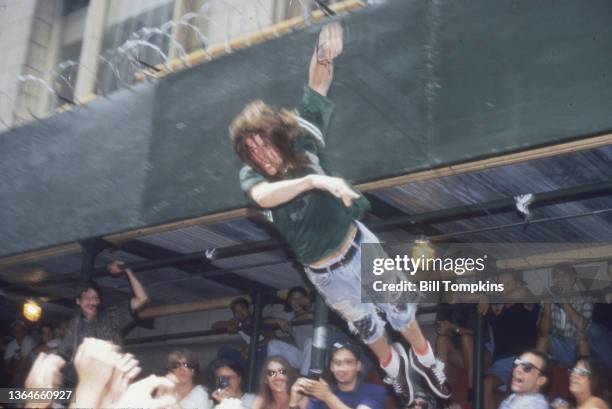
(423, 249)
(32, 311)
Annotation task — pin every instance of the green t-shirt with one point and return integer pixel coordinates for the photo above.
(315, 223)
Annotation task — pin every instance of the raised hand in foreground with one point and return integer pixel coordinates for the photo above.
(45, 373)
(95, 362)
(140, 394)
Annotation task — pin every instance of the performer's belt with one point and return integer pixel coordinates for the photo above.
(346, 258)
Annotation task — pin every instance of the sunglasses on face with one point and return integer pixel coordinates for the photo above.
(272, 373)
(525, 365)
(176, 365)
(579, 371)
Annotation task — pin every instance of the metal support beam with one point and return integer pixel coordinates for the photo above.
(228, 279)
(91, 248)
(319, 337)
(438, 216)
(446, 236)
(169, 337)
(478, 398)
(254, 344)
(175, 309)
(386, 211)
(203, 333)
(507, 204)
(199, 256)
(461, 212)
(200, 333)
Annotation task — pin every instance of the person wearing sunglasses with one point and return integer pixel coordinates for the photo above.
(346, 390)
(182, 364)
(589, 384)
(277, 377)
(530, 378)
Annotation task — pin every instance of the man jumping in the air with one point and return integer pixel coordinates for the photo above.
(318, 216)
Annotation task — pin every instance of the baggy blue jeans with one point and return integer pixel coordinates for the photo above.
(341, 288)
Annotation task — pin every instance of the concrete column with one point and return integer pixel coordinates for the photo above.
(46, 102)
(179, 34)
(280, 10)
(90, 49)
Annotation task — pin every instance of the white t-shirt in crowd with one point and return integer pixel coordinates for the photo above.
(196, 399)
(13, 349)
(248, 399)
(525, 401)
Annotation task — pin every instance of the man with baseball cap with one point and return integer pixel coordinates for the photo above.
(346, 390)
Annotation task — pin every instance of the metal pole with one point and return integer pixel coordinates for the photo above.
(254, 343)
(319, 337)
(169, 337)
(478, 398)
(88, 259)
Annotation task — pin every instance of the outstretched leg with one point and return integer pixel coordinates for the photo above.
(423, 360)
(340, 284)
(400, 310)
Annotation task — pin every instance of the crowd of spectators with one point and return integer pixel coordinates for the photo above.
(531, 345)
(526, 345)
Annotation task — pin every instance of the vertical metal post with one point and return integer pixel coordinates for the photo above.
(319, 337)
(479, 347)
(254, 344)
(88, 258)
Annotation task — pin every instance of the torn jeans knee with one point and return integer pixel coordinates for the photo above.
(363, 320)
(399, 315)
